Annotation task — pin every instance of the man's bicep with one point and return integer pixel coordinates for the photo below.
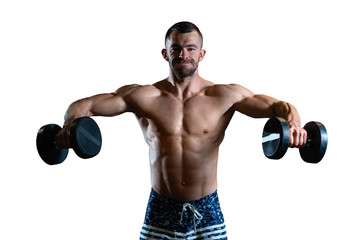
(257, 106)
(116, 103)
(108, 104)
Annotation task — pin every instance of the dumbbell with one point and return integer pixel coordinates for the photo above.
(276, 136)
(85, 140)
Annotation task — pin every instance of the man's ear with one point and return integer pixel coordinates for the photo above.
(164, 54)
(202, 54)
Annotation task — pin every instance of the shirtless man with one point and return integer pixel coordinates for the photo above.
(183, 119)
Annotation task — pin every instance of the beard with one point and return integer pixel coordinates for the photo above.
(182, 72)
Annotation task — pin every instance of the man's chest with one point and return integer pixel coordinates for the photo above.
(197, 115)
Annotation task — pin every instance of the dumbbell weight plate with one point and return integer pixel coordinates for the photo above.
(45, 144)
(85, 137)
(275, 138)
(315, 149)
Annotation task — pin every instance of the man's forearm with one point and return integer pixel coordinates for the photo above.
(288, 112)
(77, 109)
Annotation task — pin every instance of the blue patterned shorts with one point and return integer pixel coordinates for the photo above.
(172, 219)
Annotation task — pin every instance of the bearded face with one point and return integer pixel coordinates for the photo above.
(183, 68)
(183, 52)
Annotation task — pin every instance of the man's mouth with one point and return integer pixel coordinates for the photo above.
(182, 62)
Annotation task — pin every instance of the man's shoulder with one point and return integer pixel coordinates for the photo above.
(137, 89)
(226, 89)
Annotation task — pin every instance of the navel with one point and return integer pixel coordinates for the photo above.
(205, 131)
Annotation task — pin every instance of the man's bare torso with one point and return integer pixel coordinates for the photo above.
(183, 134)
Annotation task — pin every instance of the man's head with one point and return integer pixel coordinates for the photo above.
(183, 49)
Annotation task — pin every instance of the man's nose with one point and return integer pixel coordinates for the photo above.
(183, 54)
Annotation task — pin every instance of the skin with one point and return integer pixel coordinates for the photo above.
(183, 119)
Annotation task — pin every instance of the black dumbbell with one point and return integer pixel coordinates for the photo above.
(276, 135)
(85, 140)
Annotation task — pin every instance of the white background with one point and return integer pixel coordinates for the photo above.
(55, 52)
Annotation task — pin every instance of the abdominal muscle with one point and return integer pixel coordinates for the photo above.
(183, 167)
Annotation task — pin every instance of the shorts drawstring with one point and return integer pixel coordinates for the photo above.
(196, 214)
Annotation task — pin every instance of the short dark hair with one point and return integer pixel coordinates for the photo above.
(184, 27)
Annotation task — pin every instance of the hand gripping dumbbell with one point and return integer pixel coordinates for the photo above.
(85, 140)
(276, 136)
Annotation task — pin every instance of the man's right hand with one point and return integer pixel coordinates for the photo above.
(63, 137)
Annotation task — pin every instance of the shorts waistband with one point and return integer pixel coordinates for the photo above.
(193, 202)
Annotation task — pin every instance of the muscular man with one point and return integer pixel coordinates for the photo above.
(183, 119)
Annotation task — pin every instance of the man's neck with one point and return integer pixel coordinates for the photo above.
(186, 87)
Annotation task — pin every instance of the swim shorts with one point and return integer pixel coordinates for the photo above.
(173, 219)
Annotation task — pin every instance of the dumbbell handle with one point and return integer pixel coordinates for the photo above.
(57, 146)
(274, 136)
(87, 134)
(80, 131)
(308, 141)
